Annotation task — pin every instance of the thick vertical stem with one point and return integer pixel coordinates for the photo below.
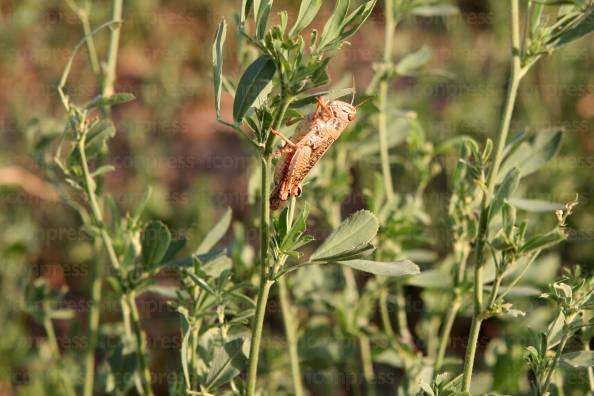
(257, 336)
(382, 118)
(265, 283)
(93, 331)
(516, 75)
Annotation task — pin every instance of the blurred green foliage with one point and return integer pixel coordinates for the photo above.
(168, 138)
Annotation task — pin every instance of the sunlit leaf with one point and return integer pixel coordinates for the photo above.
(393, 268)
(217, 64)
(355, 232)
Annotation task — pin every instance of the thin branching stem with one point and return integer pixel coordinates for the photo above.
(114, 43)
(452, 311)
(55, 349)
(545, 389)
(478, 314)
(265, 282)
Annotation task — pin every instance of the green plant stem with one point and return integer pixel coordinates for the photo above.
(366, 359)
(400, 302)
(478, 315)
(140, 339)
(549, 376)
(127, 312)
(382, 118)
(291, 334)
(114, 42)
(385, 312)
(54, 347)
(290, 325)
(93, 59)
(364, 344)
(444, 337)
(93, 331)
(263, 293)
(452, 312)
(265, 282)
(517, 279)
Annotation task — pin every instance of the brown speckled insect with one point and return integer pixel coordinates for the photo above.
(312, 138)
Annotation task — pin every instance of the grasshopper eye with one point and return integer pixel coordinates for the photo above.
(351, 116)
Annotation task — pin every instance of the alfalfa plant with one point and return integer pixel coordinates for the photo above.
(498, 173)
(135, 252)
(277, 86)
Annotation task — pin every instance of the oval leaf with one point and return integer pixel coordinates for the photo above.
(354, 233)
(255, 79)
(155, 242)
(393, 268)
(579, 359)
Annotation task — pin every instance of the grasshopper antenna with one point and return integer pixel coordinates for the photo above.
(354, 91)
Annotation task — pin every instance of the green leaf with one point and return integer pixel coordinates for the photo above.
(432, 279)
(543, 241)
(102, 170)
(227, 363)
(246, 7)
(414, 61)
(122, 365)
(97, 137)
(215, 234)
(394, 268)
(436, 10)
(535, 205)
(355, 232)
(334, 24)
(584, 27)
(254, 81)
(581, 359)
(355, 20)
(555, 331)
(201, 283)
(504, 190)
(115, 99)
(262, 8)
(142, 204)
(217, 65)
(184, 354)
(307, 12)
(174, 248)
(533, 154)
(155, 241)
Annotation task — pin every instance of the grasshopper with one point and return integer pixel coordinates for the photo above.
(312, 138)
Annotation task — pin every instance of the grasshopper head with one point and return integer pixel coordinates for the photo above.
(345, 112)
